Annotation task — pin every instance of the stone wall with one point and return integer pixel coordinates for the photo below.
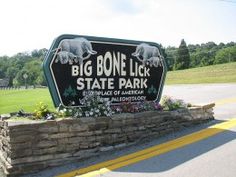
(29, 147)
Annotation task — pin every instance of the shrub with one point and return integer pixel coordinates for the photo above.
(130, 107)
(41, 110)
(69, 112)
(93, 106)
(149, 106)
(169, 103)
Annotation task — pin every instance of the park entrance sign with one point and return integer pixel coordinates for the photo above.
(117, 70)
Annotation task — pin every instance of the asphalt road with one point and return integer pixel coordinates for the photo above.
(214, 156)
(205, 93)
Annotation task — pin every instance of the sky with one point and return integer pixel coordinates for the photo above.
(26, 25)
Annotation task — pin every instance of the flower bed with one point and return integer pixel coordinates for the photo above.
(30, 146)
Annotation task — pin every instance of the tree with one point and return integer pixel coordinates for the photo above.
(225, 55)
(11, 74)
(183, 57)
(19, 79)
(170, 58)
(163, 53)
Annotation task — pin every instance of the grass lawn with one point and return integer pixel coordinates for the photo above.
(222, 73)
(14, 100)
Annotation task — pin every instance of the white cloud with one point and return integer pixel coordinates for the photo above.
(28, 25)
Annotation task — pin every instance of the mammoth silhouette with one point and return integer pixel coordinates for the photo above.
(147, 54)
(74, 50)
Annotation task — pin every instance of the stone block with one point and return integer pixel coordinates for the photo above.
(102, 119)
(63, 141)
(95, 144)
(115, 124)
(31, 127)
(50, 150)
(60, 135)
(79, 139)
(48, 129)
(97, 126)
(141, 128)
(32, 159)
(86, 120)
(15, 134)
(85, 133)
(22, 138)
(122, 116)
(72, 147)
(119, 146)
(114, 130)
(78, 128)
(86, 153)
(62, 155)
(103, 138)
(208, 106)
(129, 129)
(45, 143)
(20, 153)
(63, 127)
(22, 145)
(43, 136)
(106, 148)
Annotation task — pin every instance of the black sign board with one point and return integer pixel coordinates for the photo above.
(118, 70)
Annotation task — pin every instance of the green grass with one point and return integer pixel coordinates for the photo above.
(14, 100)
(222, 73)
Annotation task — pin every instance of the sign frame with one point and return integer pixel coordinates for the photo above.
(49, 58)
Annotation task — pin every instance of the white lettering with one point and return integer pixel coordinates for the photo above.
(88, 68)
(75, 70)
(107, 66)
(99, 65)
(80, 84)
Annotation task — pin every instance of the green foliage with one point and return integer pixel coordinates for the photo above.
(183, 57)
(169, 103)
(93, 106)
(170, 58)
(69, 112)
(30, 63)
(202, 55)
(176, 58)
(129, 107)
(41, 110)
(225, 55)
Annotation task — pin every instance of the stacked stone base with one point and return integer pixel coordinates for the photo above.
(30, 147)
